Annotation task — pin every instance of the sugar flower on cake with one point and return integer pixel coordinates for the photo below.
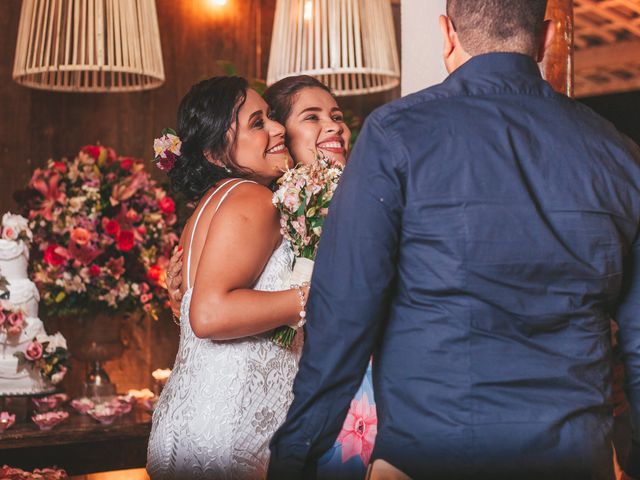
(48, 354)
(12, 319)
(15, 227)
(102, 230)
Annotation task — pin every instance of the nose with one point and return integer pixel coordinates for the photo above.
(276, 129)
(332, 126)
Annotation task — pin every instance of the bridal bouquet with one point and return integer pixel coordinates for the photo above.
(103, 232)
(302, 198)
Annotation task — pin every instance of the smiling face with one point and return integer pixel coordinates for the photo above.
(259, 142)
(316, 124)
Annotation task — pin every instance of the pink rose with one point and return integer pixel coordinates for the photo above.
(9, 233)
(3, 317)
(146, 297)
(34, 351)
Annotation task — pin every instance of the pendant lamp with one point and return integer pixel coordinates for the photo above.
(349, 45)
(89, 46)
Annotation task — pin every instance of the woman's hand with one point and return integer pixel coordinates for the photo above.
(174, 280)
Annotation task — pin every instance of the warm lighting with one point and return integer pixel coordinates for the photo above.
(219, 3)
(308, 10)
(349, 45)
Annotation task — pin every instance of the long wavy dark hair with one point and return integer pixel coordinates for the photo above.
(206, 116)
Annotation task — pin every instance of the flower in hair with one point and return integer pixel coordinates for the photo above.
(167, 149)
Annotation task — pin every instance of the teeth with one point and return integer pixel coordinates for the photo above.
(277, 149)
(330, 145)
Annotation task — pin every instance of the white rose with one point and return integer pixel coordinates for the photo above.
(56, 341)
(56, 378)
(16, 224)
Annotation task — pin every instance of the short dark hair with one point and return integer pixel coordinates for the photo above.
(485, 26)
(205, 117)
(281, 95)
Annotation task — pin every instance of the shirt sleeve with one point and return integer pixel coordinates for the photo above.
(628, 318)
(351, 287)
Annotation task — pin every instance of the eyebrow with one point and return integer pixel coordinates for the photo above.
(318, 109)
(255, 114)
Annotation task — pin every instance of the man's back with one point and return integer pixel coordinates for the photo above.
(520, 206)
(480, 229)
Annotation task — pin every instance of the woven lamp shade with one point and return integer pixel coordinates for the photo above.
(349, 45)
(89, 46)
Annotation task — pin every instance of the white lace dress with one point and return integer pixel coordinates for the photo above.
(224, 400)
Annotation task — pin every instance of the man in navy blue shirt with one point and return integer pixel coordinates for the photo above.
(482, 236)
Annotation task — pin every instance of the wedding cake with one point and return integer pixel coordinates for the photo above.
(24, 344)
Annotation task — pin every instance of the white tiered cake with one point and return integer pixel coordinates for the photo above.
(22, 296)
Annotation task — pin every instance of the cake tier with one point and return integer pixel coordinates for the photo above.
(10, 344)
(24, 381)
(24, 294)
(14, 258)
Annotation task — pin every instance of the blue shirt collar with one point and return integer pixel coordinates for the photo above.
(498, 63)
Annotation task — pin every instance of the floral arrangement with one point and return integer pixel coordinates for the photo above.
(10, 473)
(302, 198)
(104, 231)
(12, 319)
(167, 149)
(49, 354)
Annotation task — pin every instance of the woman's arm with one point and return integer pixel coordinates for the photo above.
(241, 238)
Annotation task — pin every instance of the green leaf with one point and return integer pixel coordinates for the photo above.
(228, 67)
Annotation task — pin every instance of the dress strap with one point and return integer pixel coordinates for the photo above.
(204, 205)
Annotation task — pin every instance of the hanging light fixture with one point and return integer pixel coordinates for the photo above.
(349, 45)
(89, 46)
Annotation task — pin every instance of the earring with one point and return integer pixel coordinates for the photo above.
(227, 169)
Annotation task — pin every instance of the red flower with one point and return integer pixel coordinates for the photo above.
(115, 267)
(55, 255)
(60, 166)
(166, 164)
(155, 274)
(126, 163)
(167, 205)
(94, 270)
(125, 240)
(92, 150)
(112, 227)
(142, 230)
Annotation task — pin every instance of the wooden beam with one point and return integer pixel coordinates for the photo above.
(607, 56)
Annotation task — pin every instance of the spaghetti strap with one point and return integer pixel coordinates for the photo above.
(204, 205)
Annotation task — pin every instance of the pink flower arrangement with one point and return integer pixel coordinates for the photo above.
(303, 197)
(10, 473)
(359, 430)
(103, 232)
(82, 405)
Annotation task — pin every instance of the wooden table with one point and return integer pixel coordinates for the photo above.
(80, 444)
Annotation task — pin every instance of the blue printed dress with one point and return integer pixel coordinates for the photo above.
(349, 457)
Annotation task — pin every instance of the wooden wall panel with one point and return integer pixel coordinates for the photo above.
(36, 125)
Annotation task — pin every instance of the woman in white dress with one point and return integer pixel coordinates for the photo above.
(231, 386)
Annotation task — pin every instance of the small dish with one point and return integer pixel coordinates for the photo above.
(50, 402)
(105, 413)
(82, 405)
(46, 421)
(6, 420)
